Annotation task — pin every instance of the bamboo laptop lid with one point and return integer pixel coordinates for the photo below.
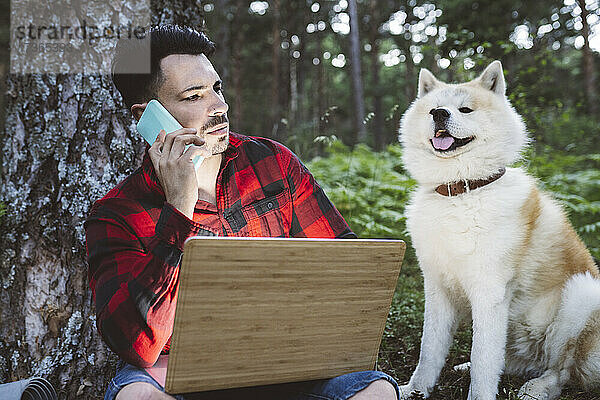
(260, 311)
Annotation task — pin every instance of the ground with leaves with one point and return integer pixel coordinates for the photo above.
(399, 350)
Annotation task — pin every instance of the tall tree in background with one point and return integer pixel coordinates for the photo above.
(221, 35)
(375, 15)
(357, 83)
(589, 70)
(4, 58)
(374, 22)
(275, 63)
(321, 98)
(67, 140)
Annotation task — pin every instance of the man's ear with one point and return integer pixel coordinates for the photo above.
(492, 78)
(137, 110)
(427, 82)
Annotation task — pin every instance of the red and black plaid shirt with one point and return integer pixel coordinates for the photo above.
(135, 238)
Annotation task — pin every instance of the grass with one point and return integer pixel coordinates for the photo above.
(399, 351)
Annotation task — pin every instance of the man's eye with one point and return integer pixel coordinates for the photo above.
(465, 110)
(192, 97)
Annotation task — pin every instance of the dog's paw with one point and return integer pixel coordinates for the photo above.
(409, 392)
(538, 389)
(464, 367)
(531, 392)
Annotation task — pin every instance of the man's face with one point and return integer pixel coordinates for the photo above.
(191, 91)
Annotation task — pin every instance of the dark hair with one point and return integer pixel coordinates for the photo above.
(132, 56)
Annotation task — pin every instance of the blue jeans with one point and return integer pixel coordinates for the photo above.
(339, 388)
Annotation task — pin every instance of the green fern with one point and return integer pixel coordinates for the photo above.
(371, 188)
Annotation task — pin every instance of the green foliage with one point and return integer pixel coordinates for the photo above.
(369, 188)
(538, 91)
(574, 180)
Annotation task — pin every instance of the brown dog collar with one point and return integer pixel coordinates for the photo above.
(460, 187)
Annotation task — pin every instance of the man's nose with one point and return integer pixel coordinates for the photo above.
(219, 107)
(439, 114)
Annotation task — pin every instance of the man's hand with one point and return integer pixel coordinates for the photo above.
(175, 168)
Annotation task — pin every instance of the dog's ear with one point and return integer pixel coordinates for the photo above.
(427, 82)
(492, 78)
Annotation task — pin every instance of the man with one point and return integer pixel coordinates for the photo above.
(246, 186)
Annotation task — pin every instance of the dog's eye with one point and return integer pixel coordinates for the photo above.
(465, 110)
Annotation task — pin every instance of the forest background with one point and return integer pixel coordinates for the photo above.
(328, 78)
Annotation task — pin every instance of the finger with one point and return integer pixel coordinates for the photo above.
(171, 137)
(181, 131)
(181, 142)
(155, 149)
(195, 150)
(160, 139)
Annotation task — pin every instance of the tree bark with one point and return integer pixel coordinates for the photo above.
(410, 89)
(410, 86)
(293, 91)
(379, 137)
(236, 61)
(320, 86)
(357, 84)
(589, 71)
(222, 38)
(4, 59)
(276, 80)
(60, 154)
(302, 74)
(68, 139)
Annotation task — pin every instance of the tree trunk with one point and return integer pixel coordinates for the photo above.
(589, 71)
(236, 74)
(222, 38)
(68, 139)
(357, 85)
(293, 91)
(303, 110)
(276, 82)
(379, 137)
(411, 78)
(320, 86)
(410, 85)
(4, 59)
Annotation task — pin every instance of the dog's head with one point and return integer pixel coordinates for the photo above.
(462, 131)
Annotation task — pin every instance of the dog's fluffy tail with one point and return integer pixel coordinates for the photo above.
(573, 340)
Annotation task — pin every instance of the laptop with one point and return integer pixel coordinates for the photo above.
(262, 311)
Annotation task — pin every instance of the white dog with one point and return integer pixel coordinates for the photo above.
(494, 248)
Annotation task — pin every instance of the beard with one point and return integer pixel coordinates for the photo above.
(221, 145)
(222, 142)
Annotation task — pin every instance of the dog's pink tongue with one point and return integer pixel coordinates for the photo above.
(443, 143)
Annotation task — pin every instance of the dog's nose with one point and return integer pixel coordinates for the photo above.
(439, 114)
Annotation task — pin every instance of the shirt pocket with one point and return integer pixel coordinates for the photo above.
(265, 217)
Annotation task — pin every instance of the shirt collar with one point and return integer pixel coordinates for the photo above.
(235, 142)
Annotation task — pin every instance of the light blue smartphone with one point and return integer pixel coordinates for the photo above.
(156, 117)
